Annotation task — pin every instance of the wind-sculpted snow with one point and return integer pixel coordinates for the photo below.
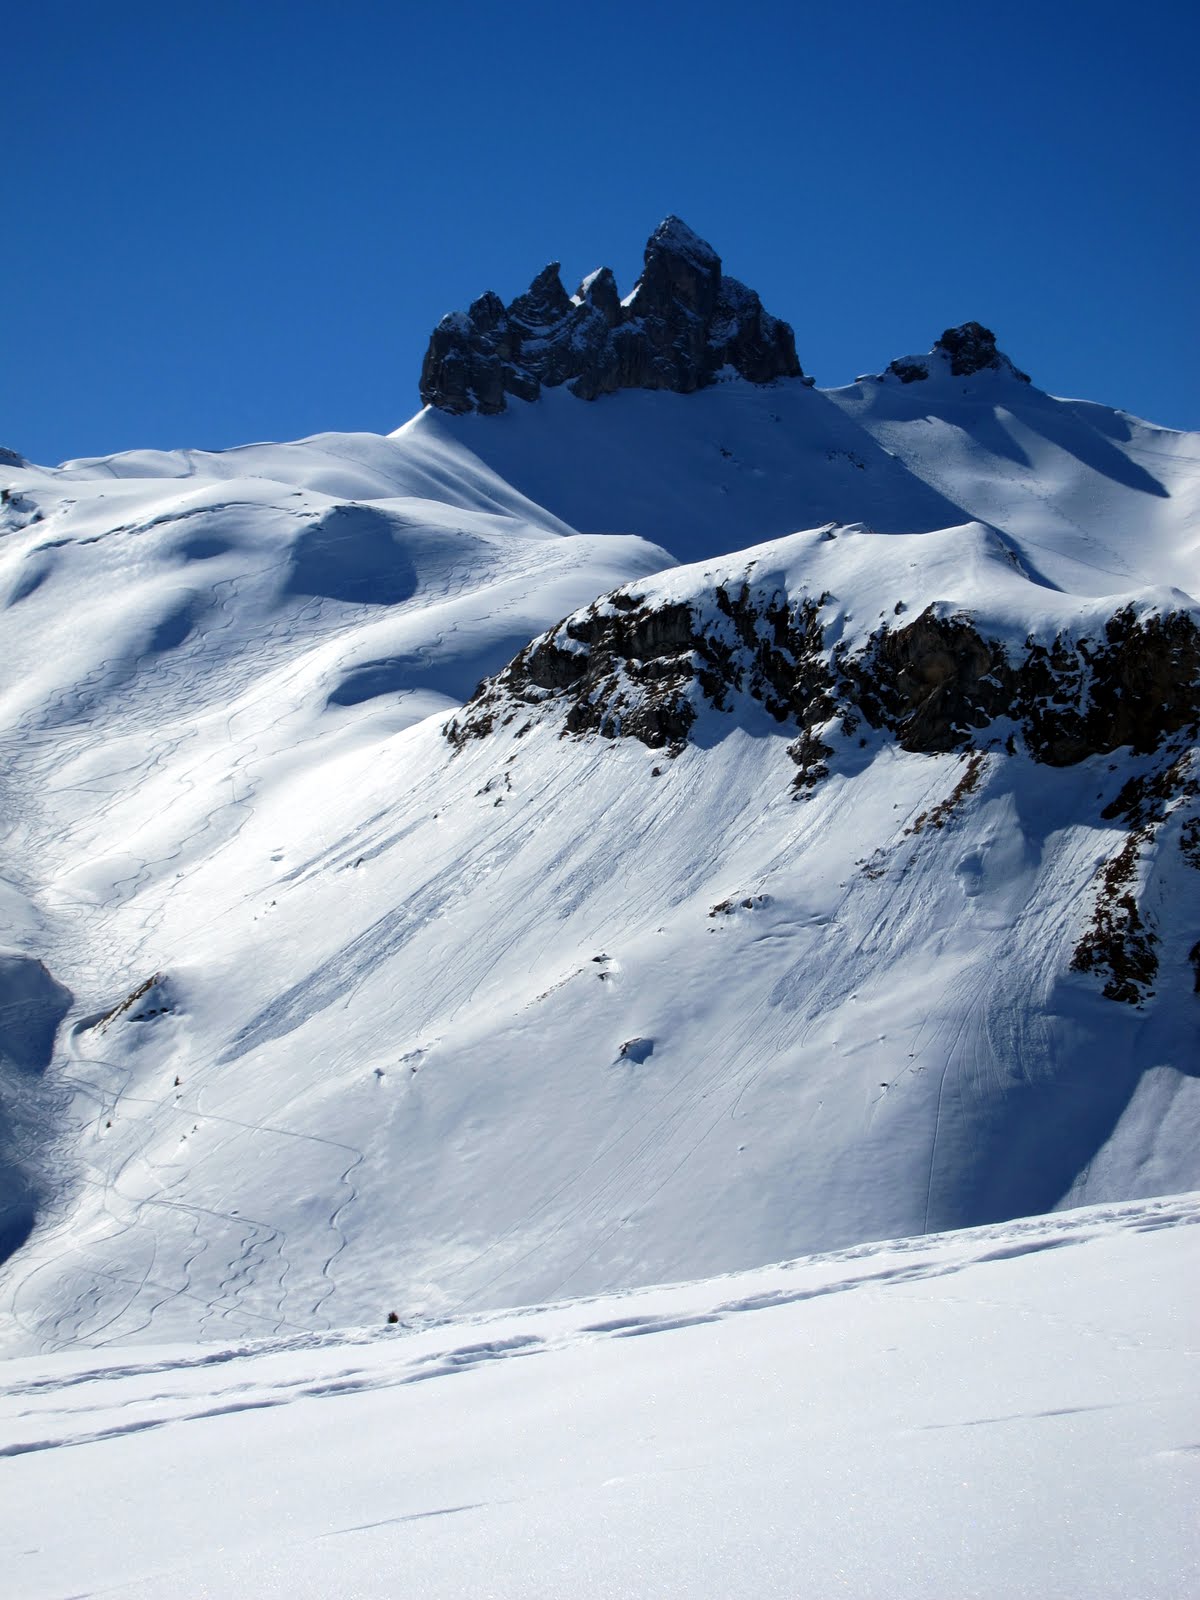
(1090, 500)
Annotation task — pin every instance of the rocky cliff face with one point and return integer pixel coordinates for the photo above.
(628, 668)
(683, 324)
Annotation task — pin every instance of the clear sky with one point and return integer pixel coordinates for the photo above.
(226, 222)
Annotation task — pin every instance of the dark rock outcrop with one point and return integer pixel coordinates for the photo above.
(938, 685)
(966, 350)
(10, 458)
(908, 369)
(684, 323)
(933, 683)
(626, 668)
(971, 349)
(1136, 687)
(1120, 942)
(623, 669)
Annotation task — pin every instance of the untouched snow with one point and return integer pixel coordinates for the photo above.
(1010, 1411)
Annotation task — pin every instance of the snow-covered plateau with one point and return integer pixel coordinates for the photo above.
(638, 822)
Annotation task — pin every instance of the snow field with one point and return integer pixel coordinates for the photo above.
(978, 1413)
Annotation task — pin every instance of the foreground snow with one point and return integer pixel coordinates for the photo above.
(1009, 1411)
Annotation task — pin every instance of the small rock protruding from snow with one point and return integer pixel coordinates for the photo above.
(966, 350)
(637, 1050)
(972, 348)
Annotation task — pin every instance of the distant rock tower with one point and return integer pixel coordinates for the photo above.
(684, 324)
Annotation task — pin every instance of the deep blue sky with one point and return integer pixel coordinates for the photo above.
(231, 222)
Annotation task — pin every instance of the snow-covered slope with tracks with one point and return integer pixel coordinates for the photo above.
(310, 1012)
(1010, 1411)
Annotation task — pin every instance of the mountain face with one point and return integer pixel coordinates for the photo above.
(508, 859)
(684, 323)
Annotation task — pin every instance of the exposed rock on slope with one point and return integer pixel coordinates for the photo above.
(684, 322)
(631, 666)
(965, 351)
(648, 666)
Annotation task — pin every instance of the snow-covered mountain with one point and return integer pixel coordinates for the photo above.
(818, 862)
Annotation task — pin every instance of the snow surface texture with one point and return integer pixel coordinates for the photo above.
(1006, 1412)
(309, 1015)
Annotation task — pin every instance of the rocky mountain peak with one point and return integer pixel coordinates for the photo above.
(599, 291)
(544, 303)
(971, 348)
(965, 350)
(674, 238)
(683, 324)
(679, 267)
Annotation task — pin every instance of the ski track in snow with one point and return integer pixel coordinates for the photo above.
(936, 1256)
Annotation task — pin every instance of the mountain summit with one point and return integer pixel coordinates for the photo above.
(684, 323)
(963, 351)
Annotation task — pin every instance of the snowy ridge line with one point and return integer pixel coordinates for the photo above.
(829, 627)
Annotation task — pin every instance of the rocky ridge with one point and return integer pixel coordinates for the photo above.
(939, 684)
(625, 667)
(684, 323)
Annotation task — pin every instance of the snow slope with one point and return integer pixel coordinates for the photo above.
(1010, 1411)
(1094, 501)
(189, 638)
(308, 1014)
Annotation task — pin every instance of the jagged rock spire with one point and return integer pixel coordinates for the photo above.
(683, 324)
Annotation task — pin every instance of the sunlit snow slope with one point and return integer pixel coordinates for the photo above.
(310, 1014)
(1006, 1412)
(1094, 501)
